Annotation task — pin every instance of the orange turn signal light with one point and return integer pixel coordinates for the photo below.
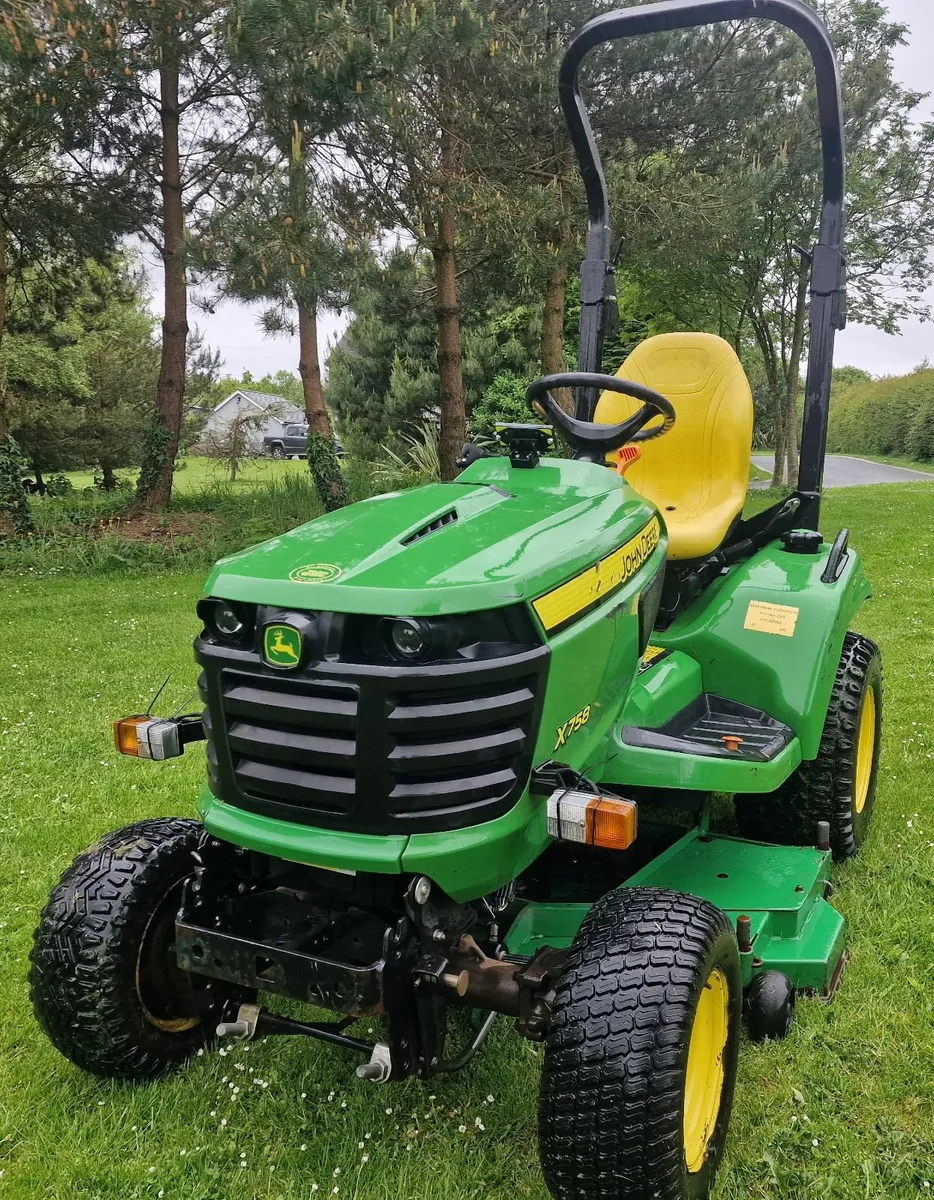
(126, 734)
(611, 823)
(592, 820)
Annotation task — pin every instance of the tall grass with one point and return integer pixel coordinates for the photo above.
(90, 535)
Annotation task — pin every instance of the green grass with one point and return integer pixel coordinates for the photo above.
(854, 1077)
(756, 474)
(890, 461)
(195, 473)
(87, 535)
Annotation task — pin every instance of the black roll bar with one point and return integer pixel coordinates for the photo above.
(828, 269)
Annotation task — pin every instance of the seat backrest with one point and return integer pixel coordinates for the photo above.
(697, 474)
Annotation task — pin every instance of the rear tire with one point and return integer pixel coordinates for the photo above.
(104, 984)
(839, 786)
(640, 1059)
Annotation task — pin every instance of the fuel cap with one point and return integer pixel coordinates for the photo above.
(802, 541)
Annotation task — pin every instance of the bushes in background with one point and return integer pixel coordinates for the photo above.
(887, 417)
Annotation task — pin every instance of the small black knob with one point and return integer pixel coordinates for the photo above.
(802, 541)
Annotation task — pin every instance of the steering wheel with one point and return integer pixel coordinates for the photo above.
(592, 441)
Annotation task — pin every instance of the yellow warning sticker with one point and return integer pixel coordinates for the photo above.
(780, 619)
(652, 655)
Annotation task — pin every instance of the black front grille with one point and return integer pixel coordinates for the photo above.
(372, 748)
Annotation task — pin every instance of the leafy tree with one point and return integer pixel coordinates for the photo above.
(277, 239)
(234, 441)
(46, 385)
(721, 235)
(180, 114)
(122, 364)
(383, 374)
(79, 384)
(415, 153)
(64, 191)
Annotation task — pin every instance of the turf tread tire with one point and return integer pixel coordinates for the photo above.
(610, 1118)
(822, 788)
(86, 948)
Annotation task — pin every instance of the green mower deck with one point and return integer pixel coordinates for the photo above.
(781, 889)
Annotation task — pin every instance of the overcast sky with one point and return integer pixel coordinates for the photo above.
(233, 329)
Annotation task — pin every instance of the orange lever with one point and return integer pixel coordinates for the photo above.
(732, 741)
(626, 457)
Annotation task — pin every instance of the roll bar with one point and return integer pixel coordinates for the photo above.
(828, 268)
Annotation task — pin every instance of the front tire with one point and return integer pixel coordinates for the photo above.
(104, 984)
(277, 452)
(640, 1059)
(839, 786)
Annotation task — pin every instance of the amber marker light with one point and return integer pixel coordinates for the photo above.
(126, 734)
(592, 820)
(612, 823)
(152, 737)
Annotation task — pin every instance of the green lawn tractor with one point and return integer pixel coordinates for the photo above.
(462, 745)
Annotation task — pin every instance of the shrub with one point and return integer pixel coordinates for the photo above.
(502, 402)
(419, 463)
(892, 416)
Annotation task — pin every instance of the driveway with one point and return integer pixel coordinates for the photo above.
(842, 471)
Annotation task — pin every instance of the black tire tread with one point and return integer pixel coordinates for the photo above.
(821, 789)
(82, 979)
(611, 1099)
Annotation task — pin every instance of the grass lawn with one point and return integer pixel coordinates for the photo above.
(843, 1109)
(910, 463)
(196, 473)
(756, 474)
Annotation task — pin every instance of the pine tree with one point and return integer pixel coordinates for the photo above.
(65, 193)
(180, 112)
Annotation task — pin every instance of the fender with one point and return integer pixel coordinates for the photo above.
(770, 633)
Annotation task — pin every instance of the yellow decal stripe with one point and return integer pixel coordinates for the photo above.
(599, 581)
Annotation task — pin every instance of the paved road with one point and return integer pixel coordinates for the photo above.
(841, 471)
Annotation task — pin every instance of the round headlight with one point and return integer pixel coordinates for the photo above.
(227, 621)
(410, 638)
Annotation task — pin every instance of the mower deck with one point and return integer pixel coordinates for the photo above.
(781, 889)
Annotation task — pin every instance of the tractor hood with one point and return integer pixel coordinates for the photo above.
(494, 536)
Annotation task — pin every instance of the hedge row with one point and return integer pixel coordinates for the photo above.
(887, 417)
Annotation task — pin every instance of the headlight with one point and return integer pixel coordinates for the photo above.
(410, 638)
(227, 620)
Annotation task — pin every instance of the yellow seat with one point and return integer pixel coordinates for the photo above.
(699, 472)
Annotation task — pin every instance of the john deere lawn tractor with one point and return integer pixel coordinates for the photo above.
(462, 744)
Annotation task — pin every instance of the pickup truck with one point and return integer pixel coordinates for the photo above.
(293, 441)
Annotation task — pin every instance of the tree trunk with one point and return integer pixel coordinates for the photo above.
(773, 383)
(154, 489)
(448, 320)
(108, 478)
(14, 505)
(41, 489)
(323, 462)
(553, 332)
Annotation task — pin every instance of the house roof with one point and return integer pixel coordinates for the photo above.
(265, 400)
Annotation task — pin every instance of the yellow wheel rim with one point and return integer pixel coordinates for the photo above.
(865, 750)
(703, 1084)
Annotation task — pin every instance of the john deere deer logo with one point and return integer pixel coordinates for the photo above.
(282, 646)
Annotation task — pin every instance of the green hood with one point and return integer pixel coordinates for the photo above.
(517, 533)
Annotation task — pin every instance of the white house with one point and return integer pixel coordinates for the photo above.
(279, 413)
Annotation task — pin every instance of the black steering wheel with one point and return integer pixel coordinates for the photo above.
(591, 441)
